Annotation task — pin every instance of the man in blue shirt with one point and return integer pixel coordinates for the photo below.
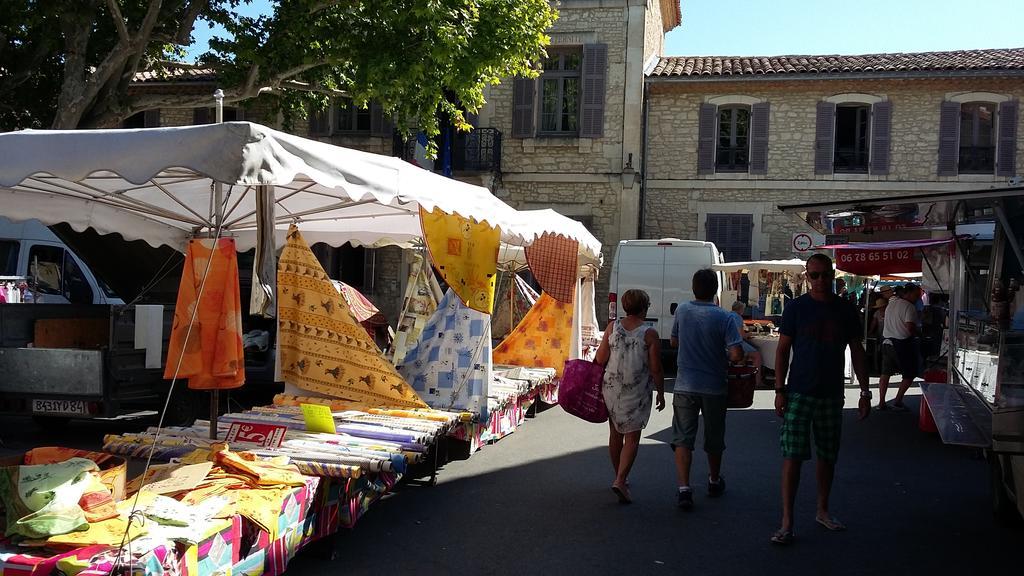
(817, 328)
(703, 333)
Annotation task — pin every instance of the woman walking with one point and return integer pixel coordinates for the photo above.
(631, 354)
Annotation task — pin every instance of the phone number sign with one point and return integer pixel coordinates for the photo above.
(872, 262)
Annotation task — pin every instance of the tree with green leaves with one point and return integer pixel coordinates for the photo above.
(71, 64)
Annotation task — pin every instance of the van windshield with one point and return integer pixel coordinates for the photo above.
(8, 257)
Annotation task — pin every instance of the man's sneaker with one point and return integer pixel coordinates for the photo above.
(685, 499)
(716, 488)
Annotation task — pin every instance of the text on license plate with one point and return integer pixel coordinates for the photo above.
(58, 406)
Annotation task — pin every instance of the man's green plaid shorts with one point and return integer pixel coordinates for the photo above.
(804, 414)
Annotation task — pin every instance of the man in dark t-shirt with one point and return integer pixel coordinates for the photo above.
(816, 328)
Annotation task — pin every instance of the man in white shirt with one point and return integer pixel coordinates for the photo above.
(899, 345)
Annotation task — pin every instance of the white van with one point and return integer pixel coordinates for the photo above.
(662, 268)
(30, 250)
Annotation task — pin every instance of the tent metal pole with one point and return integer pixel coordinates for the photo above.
(218, 221)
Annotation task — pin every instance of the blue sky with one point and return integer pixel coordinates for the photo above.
(772, 27)
(775, 27)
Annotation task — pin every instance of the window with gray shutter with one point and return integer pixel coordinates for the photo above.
(202, 116)
(823, 138)
(707, 124)
(881, 135)
(522, 107)
(380, 123)
(352, 119)
(319, 122)
(850, 139)
(560, 92)
(759, 138)
(977, 138)
(732, 234)
(1006, 160)
(732, 146)
(949, 138)
(595, 66)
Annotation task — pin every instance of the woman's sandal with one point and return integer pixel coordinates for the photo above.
(623, 493)
(783, 537)
(830, 523)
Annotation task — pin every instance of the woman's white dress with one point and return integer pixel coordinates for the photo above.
(627, 379)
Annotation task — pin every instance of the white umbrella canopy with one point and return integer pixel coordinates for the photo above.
(156, 184)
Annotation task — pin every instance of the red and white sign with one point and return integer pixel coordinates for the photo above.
(878, 262)
(263, 435)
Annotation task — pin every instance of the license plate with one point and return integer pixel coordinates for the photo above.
(58, 406)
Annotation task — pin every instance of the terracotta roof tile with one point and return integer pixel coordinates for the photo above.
(176, 74)
(999, 58)
(958, 60)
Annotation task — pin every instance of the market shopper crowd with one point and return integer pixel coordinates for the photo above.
(815, 331)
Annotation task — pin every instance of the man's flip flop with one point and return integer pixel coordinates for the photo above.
(783, 537)
(623, 493)
(831, 523)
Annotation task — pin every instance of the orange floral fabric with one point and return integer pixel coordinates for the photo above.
(543, 339)
(213, 357)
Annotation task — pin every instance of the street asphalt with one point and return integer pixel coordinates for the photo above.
(539, 502)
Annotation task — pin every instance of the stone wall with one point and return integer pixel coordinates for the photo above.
(677, 198)
(672, 130)
(654, 35)
(386, 268)
(574, 27)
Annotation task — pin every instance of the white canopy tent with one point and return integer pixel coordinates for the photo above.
(792, 267)
(156, 184)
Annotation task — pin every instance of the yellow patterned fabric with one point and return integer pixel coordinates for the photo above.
(323, 348)
(542, 340)
(465, 254)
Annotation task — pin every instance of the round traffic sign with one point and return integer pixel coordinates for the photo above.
(802, 242)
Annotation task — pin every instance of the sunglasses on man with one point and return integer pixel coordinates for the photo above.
(816, 275)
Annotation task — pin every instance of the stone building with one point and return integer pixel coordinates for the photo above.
(729, 139)
(636, 144)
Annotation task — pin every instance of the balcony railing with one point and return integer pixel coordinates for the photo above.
(476, 151)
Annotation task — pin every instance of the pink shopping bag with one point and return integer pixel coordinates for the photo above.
(579, 393)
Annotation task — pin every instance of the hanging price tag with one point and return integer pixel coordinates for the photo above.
(318, 418)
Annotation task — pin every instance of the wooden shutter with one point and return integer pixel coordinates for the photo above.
(759, 138)
(522, 107)
(380, 123)
(595, 66)
(881, 135)
(319, 122)
(1006, 146)
(949, 139)
(732, 234)
(152, 118)
(201, 116)
(824, 138)
(707, 126)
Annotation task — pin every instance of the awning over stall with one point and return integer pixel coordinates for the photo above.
(155, 184)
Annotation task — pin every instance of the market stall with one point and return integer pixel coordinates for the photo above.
(362, 426)
(978, 265)
(770, 283)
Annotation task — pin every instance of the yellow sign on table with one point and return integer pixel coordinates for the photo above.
(318, 418)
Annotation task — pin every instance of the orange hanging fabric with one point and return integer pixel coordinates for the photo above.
(213, 357)
(543, 339)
